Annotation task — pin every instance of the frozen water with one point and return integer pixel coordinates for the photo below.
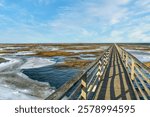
(11, 62)
(36, 62)
(143, 56)
(25, 53)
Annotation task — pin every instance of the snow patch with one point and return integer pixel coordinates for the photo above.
(25, 53)
(143, 56)
(12, 48)
(90, 50)
(36, 62)
(87, 56)
(11, 62)
(9, 94)
(22, 88)
(1, 49)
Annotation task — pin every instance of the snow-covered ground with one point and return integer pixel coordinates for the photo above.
(12, 48)
(25, 53)
(49, 48)
(22, 88)
(90, 50)
(87, 56)
(143, 56)
(2, 54)
(36, 62)
(10, 64)
(16, 85)
(9, 93)
(32, 62)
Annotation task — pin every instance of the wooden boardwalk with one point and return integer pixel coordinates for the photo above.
(115, 75)
(115, 84)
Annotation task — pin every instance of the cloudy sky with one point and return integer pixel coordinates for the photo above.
(74, 21)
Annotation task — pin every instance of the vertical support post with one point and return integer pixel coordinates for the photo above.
(105, 59)
(123, 57)
(132, 69)
(83, 88)
(119, 50)
(107, 55)
(126, 60)
(100, 70)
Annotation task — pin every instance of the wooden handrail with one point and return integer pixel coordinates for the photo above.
(137, 70)
(137, 61)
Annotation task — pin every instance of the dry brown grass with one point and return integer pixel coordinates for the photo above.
(96, 53)
(23, 49)
(63, 53)
(76, 63)
(147, 64)
(80, 47)
(5, 52)
(54, 53)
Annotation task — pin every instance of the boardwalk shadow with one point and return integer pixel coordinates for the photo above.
(105, 81)
(130, 89)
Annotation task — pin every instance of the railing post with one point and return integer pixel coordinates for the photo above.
(107, 55)
(132, 69)
(126, 60)
(83, 88)
(122, 55)
(99, 70)
(105, 59)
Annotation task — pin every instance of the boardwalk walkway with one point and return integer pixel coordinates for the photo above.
(116, 84)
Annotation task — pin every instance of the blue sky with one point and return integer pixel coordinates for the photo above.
(74, 21)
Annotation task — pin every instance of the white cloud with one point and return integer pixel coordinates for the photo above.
(116, 36)
(143, 3)
(111, 11)
(119, 16)
(139, 36)
(116, 33)
(140, 32)
(89, 19)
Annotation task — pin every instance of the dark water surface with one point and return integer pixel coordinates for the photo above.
(54, 75)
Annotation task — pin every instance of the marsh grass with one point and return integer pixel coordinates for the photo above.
(147, 64)
(81, 64)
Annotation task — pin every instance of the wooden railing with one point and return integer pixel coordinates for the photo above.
(85, 84)
(139, 73)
